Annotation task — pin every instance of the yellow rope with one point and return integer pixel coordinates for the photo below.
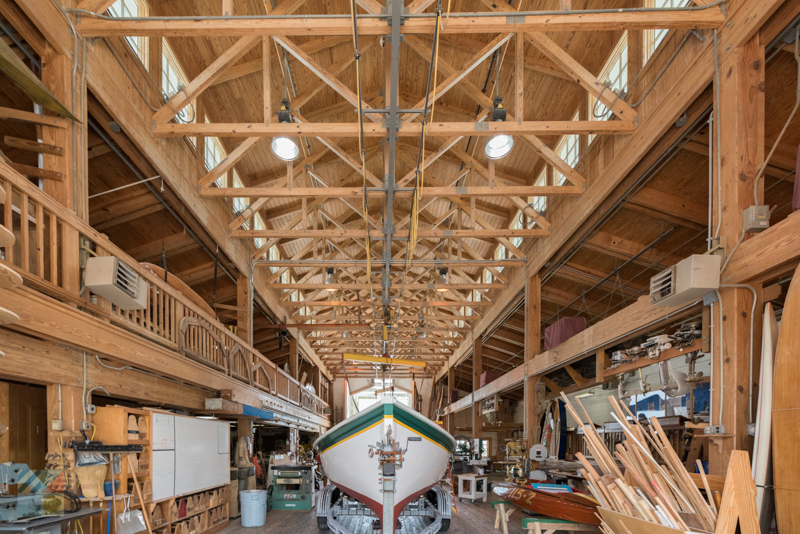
(421, 174)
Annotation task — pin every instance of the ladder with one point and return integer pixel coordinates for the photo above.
(452, 492)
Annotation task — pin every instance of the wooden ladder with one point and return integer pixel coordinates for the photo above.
(452, 491)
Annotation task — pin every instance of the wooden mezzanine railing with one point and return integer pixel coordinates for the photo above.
(49, 242)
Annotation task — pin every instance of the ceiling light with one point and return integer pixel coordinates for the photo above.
(442, 280)
(285, 148)
(346, 333)
(330, 280)
(500, 145)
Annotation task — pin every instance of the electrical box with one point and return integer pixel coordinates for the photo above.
(689, 280)
(115, 281)
(755, 219)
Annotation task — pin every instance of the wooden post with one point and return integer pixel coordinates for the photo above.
(70, 406)
(451, 383)
(533, 336)
(267, 79)
(155, 50)
(477, 369)
(5, 418)
(519, 77)
(57, 76)
(635, 59)
(243, 307)
(741, 112)
(294, 359)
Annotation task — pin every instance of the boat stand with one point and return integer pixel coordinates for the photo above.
(348, 516)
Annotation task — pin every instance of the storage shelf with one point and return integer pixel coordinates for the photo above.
(188, 516)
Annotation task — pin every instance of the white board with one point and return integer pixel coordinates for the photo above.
(201, 454)
(189, 455)
(163, 432)
(163, 477)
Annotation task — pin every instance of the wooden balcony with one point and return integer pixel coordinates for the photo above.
(52, 242)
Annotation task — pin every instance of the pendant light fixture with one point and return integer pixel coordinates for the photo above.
(442, 280)
(500, 145)
(285, 148)
(330, 280)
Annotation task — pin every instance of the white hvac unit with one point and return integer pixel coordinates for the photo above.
(689, 280)
(116, 282)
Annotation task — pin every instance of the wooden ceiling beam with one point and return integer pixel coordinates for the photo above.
(409, 129)
(204, 80)
(343, 287)
(625, 249)
(358, 192)
(568, 22)
(251, 67)
(362, 234)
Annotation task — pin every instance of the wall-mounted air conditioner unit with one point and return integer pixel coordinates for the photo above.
(116, 282)
(689, 280)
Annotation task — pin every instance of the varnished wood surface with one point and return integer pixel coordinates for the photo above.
(473, 518)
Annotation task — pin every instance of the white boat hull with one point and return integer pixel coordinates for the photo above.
(347, 462)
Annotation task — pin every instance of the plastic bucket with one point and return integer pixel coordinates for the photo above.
(254, 507)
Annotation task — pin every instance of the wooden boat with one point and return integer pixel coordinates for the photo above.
(388, 432)
(786, 414)
(762, 453)
(567, 506)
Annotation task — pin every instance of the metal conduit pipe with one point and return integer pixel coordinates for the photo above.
(635, 188)
(186, 228)
(155, 193)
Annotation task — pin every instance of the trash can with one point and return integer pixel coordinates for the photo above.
(254, 507)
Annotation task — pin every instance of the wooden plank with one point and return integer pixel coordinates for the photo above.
(266, 51)
(358, 192)
(33, 118)
(33, 146)
(556, 54)
(708, 18)
(205, 79)
(36, 172)
(97, 6)
(409, 129)
(766, 255)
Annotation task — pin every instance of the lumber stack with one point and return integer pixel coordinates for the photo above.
(656, 488)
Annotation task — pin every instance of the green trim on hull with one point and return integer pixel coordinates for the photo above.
(361, 422)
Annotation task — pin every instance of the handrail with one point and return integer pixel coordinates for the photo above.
(159, 322)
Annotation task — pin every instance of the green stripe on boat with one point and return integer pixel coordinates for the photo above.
(376, 415)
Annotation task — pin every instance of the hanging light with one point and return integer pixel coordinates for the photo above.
(285, 148)
(330, 280)
(442, 280)
(500, 145)
(422, 334)
(346, 333)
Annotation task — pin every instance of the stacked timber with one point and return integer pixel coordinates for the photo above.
(650, 495)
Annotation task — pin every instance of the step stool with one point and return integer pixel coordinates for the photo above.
(548, 525)
(501, 515)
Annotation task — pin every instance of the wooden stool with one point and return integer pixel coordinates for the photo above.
(501, 515)
(548, 525)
